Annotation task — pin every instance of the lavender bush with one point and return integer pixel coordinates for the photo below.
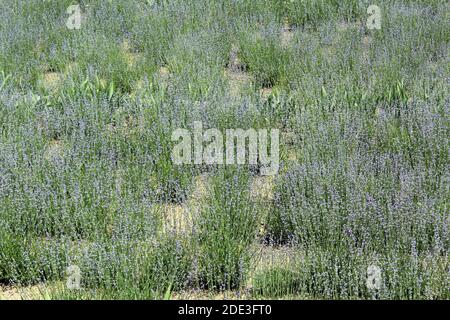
(86, 176)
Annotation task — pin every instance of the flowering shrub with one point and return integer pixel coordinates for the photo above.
(358, 207)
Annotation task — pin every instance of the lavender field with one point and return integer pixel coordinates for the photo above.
(93, 206)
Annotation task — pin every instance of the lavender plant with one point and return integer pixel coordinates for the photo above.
(87, 179)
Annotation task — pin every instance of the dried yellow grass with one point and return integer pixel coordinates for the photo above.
(54, 150)
(51, 80)
(262, 188)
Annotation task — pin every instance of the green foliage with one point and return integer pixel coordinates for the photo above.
(226, 229)
(86, 118)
